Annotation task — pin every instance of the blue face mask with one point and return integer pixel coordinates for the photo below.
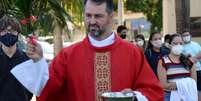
(8, 39)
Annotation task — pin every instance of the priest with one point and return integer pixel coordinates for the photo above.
(102, 62)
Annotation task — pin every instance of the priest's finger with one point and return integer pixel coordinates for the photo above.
(127, 90)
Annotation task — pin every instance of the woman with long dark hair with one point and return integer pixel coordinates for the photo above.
(175, 66)
(155, 50)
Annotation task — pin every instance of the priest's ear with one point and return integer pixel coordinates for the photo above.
(110, 17)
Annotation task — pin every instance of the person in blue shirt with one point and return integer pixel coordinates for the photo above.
(155, 50)
(193, 49)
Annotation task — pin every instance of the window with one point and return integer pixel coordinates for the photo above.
(195, 26)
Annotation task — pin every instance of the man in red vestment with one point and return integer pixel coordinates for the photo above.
(102, 62)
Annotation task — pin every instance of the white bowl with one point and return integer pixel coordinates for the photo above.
(117, 96)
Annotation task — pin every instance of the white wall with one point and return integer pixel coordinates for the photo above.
(169, 16)
(195, 8)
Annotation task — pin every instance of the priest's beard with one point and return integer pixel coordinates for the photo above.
(95, 31)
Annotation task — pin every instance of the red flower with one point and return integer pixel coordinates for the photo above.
(33, 18)
(24, 21)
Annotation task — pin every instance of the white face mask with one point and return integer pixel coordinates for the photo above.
(157, 43)
(177, 49)
(167, 44)
(186, 39)
(140, 43)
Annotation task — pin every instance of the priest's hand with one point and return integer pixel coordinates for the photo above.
(128, 90)
(34, 51)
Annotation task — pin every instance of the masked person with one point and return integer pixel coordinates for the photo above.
(155, 50)
(122, 31)
(177, 73)
(102, 62)
(166, 42)
(10, 56)
(140, 41)
(193, 49)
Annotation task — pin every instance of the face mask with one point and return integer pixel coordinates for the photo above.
(167, 45)
(157, 43)
(177, 49)
(140, 43)
(9, 39)
(186, 39)
(123, 36)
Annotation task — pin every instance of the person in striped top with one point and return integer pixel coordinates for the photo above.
(174, 66)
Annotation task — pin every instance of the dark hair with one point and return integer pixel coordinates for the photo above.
(183, 58)
(6, 21)
(185, 30)
(120, 28)
(167, 38)
(173, 36)
(109, 3)
(150, 46)
(140, 36)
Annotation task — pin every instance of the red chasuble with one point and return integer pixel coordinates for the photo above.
(82, 72)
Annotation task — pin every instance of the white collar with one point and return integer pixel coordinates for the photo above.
(106, 42)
